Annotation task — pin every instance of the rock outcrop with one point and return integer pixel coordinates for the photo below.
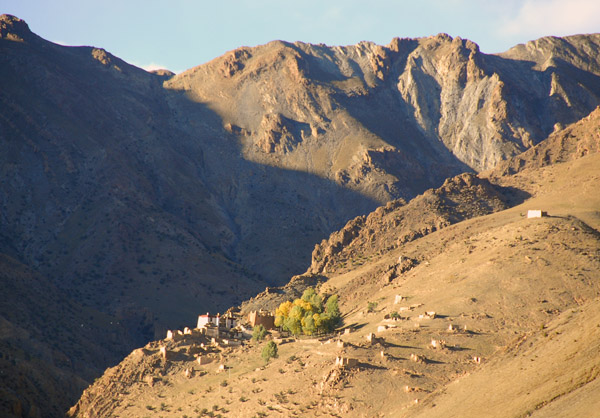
(575, 141)
(14, 29)
(390, 226)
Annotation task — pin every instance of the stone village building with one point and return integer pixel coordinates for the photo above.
(265, 319)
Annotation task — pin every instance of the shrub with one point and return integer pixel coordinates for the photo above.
(259, 333)
(269, 351)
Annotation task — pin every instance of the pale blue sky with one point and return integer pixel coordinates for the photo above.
(180, 34)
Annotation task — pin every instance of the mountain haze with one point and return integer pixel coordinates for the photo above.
(139, 200)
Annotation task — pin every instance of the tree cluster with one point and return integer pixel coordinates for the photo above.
(308, 315)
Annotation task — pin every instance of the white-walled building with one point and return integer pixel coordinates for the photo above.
(227, 321)
(208, 319)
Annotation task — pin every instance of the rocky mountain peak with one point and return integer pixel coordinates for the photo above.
(581, 51)
(13, 28)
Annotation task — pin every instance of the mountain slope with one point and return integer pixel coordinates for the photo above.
(557, 369)
(151, 197)
(389, 227)
(113, 181)
(414, 100)
(462, 197)
(518, 295)
(389, 121)
(500, 296)
(51, 346)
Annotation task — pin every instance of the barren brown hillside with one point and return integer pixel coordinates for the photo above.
(145, 198)
(511, 303)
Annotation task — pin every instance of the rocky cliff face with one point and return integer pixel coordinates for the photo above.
(410, 102)
(574, 141)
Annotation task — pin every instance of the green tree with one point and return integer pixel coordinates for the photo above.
(308, 323)
(332, 308)
(326, 323)
(312, 297)
(269, 351)
(259, 333)
(293, 322)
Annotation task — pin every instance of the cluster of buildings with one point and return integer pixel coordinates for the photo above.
(233, 325)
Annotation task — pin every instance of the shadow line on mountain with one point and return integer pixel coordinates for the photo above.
(513, 196)
(277, 213)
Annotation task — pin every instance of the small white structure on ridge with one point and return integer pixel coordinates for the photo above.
(536, 213)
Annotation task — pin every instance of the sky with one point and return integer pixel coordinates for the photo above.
(180, 34)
